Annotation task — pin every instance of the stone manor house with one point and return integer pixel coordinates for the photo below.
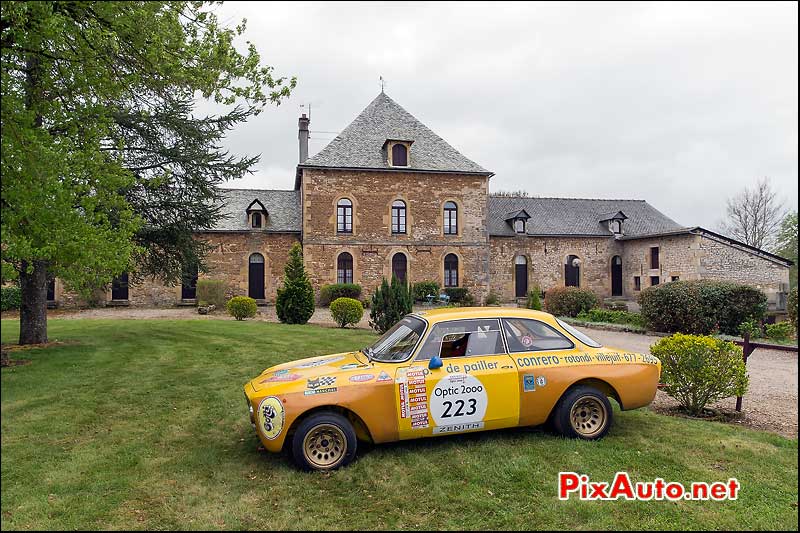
(388, 196)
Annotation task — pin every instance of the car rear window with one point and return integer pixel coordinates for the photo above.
(528, 335)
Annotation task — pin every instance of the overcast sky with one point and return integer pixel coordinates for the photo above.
(681, 105)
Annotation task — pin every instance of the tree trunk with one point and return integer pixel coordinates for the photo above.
(33, 307)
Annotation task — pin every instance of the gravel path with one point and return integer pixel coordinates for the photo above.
(770, 404)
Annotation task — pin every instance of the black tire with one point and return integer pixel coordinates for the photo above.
(324, 441)
(592, 417)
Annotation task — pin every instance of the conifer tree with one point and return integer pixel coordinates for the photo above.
(295, 303)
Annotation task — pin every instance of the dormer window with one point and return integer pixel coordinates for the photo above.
(614, 222)
(518, 220)
(256, 214)
(616, 227)
(399, 155)
(397, 152)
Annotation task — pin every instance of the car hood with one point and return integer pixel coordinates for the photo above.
(314, 367)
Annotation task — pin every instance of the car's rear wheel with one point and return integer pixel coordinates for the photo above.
(583, 413)
(324, 441)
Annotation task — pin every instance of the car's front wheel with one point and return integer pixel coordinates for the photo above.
(583, 413)
(324, 441)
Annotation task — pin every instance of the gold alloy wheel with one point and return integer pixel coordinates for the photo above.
(588, 416)
(324, 446)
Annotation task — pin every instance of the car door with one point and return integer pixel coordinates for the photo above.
(474, 389)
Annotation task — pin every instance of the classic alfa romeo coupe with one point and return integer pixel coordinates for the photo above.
(443, 372)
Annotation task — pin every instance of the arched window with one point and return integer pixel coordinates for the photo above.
(572, 271)
(399, 266)
(520, 276)
(344, 268)
(399, 217)
(451, 270)
(344, 216)
(519, 225)
(450, 218)
(256, 220)
(399, 155)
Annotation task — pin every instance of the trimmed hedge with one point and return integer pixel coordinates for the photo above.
(422, 289)
(10, 298)
(611, 317)
(701, 306)
(241, 307)
(346, 311)
(569, 301)
(211, 291)
(780, 331)
(334, 291)
(460, 295)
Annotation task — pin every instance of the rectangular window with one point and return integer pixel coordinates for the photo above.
(637, 283)
(654, 257)
(344, 219)
(676, 278)
(463, 338)
(654, 280)
(398, 220)
(525, 335)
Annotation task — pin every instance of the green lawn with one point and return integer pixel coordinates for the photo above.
(142, 425)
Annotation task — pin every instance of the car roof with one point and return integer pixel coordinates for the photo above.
(457, 313)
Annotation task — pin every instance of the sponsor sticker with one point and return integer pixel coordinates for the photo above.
(457, 428)
(270, 417)
(361, 378)
(528, 383)
(349, 366)
(458, 399)
(322, 381)
(320, 362)
(383, 377)
(541, 381)
(281, 378)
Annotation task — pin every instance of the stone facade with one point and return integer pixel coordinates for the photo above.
(372, 243)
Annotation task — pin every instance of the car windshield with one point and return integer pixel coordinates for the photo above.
(585, 339)
(397, 343)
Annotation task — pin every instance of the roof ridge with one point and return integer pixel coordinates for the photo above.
(565, 198)
(249, 189)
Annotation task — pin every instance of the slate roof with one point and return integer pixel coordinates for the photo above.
(283, 208)
(361, 144)
(576, 216)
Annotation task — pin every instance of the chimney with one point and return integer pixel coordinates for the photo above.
(302, 124)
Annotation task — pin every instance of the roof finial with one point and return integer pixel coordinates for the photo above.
(383, 82)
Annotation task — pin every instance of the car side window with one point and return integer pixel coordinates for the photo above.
(463, 338)
(528, 335)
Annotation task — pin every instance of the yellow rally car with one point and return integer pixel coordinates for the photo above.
(447, 371)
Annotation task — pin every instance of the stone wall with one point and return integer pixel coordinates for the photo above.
(372, 243)
(228, 260)
(679, 257)
(546, 257)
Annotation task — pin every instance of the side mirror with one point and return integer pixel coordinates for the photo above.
(435, 362)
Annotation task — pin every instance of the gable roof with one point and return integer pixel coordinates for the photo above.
(576, 216)
(361, 144)
(283, 208)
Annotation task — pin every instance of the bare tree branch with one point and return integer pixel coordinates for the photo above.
(754, 215)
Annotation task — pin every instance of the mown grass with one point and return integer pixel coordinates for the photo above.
(136, 424)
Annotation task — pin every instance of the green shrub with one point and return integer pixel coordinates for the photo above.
(10, 297)
(611, 317)
(699, 370)
(492, 299)
(460, 295)
(701, 306)
(569, 301)
(346, 311)
(751, 328)
(390, 303)
(422, 289)
(295, 302)
(534, 299)
(780, 331)
(334, 291)
(365, 303)
(241, 307)
(211, 291)
(792, 307)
